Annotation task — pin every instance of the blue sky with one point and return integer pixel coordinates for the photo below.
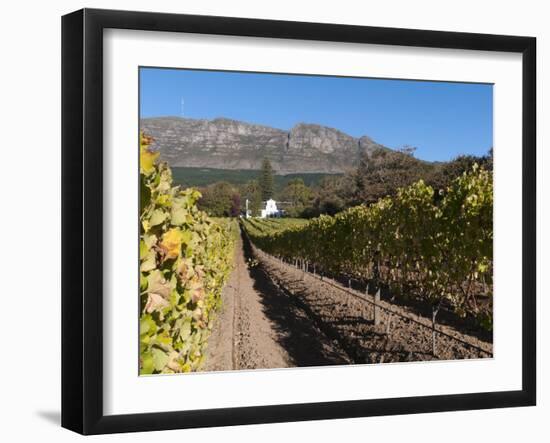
(442, 120)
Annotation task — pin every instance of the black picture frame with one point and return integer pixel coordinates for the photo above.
(82, 218)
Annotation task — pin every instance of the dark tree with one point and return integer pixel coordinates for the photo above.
(220, 199)
(488, 160)
(235, 209)
(297, 196)
(266, 180)
(382, 172)
(253, 193)
(332, 194)
(444, 173)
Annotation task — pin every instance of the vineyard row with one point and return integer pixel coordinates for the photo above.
(417, 244)
(185, 260)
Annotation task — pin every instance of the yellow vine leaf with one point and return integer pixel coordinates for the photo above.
(147, 159)
(171, 243)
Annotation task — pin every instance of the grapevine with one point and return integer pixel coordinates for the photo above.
(185, 259)
(419, 246)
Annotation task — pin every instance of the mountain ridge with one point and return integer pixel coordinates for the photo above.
(224, 143)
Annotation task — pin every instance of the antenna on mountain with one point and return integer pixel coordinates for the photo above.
(182, 107)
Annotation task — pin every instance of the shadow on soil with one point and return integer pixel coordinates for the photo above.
(296, 332)
(313, 335)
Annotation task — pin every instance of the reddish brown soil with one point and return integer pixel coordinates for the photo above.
(261, 327)
(277, 316)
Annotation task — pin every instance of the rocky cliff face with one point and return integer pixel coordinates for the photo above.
(228, 144)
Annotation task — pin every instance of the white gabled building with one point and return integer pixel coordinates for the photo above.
(270, 209)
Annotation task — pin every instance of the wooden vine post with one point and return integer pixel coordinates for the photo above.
(435, 310)
(376, 308)
(388, 324)
(376, 272)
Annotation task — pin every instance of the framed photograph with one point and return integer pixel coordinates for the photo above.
(269, 221)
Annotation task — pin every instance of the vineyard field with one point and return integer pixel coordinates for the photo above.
(436, 251)
(347, 316)
(229, 294)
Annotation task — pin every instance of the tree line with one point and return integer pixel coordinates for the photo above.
(378, 174)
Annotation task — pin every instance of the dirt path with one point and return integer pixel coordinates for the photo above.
(262, 326)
